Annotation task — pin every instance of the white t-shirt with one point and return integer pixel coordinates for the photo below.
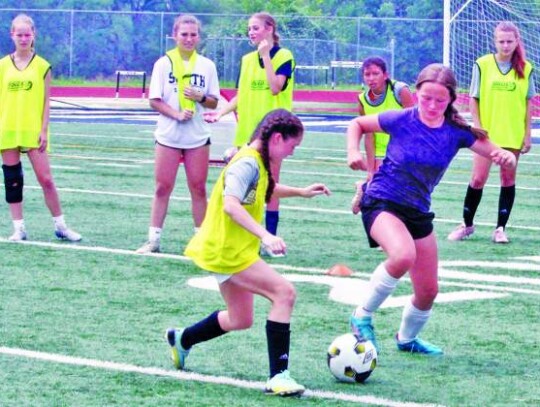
(192, 133)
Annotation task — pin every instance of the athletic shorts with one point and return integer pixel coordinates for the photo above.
(221, 278)
(208, 142)
(419, 224)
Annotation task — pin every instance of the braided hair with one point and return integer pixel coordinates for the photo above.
(438, 73)
(276, 121)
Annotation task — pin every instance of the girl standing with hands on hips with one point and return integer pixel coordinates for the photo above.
(265, 83)
(228, 247)
(25, 80)
(183, 85)
(396, 204)
(500, 102)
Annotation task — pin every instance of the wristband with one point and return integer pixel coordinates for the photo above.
(203, 99)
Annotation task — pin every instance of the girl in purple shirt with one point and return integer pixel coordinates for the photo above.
(396, 205)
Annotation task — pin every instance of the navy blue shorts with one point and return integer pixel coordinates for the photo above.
(419, 224)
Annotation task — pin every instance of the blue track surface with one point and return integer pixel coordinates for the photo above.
(315, 123)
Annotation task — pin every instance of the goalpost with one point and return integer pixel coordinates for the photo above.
(142, 74)
(469, 26)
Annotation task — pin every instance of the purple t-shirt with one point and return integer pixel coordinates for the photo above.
(416, 159)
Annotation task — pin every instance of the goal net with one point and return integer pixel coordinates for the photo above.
(471, 24)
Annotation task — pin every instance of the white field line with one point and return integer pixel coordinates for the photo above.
(148, 120)
(98, 249)
(151, 139)
(316, 173)
(491, 264)
(152, 125)
(116, 165)
(447, 274)
(289, 207)
(116, 159)
(490, 288)
(464, 155)
(195, 377)
(110, 193)
(91, 136)
(529, 258)
(491, 185)
(343, 160)
(442, 220)
(355, 177)
(65, 167)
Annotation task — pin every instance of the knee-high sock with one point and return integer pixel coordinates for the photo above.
(204, 330)
(412, 322)
(506, 202)
(470, 205)
(381, 286)
(278, 337)
(271, 221)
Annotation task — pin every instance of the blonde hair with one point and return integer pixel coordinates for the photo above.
(25, 19)
(268, 21)
(438, 73)
(186, 19)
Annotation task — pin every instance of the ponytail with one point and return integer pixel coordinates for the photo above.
(518, 59)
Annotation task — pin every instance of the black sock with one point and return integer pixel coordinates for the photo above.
(204, 330)
(506, 202)
(472, 200)
(271, 221)
(278, 336)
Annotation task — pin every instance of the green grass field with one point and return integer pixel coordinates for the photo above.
(82, 324)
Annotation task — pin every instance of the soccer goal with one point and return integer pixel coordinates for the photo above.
(469, 26)
(136, 74)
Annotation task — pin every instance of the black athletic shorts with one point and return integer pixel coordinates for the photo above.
(419, 224)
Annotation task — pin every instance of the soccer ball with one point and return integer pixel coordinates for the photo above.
(350, 359)
(228, 154)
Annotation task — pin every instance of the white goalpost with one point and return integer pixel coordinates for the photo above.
(468, 32)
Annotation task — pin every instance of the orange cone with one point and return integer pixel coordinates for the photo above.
(339, 270)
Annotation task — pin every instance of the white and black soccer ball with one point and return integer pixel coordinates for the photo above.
(350, 359)
(228, 154)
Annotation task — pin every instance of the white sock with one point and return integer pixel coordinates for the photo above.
(18, 224)
(381, 286)
(154, 234)
(196, 229)
(412, 322)
(59, 222)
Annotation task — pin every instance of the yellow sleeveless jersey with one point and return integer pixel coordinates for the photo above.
(255, 98)
(503, 102)
(389, 103)
(221, 245)
(22, 100)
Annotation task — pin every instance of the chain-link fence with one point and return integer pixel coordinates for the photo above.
(95, 44)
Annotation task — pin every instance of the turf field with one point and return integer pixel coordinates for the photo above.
(82, 324)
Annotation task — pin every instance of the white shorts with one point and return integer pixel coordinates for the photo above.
(221, 278)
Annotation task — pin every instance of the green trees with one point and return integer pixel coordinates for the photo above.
(94, 38)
